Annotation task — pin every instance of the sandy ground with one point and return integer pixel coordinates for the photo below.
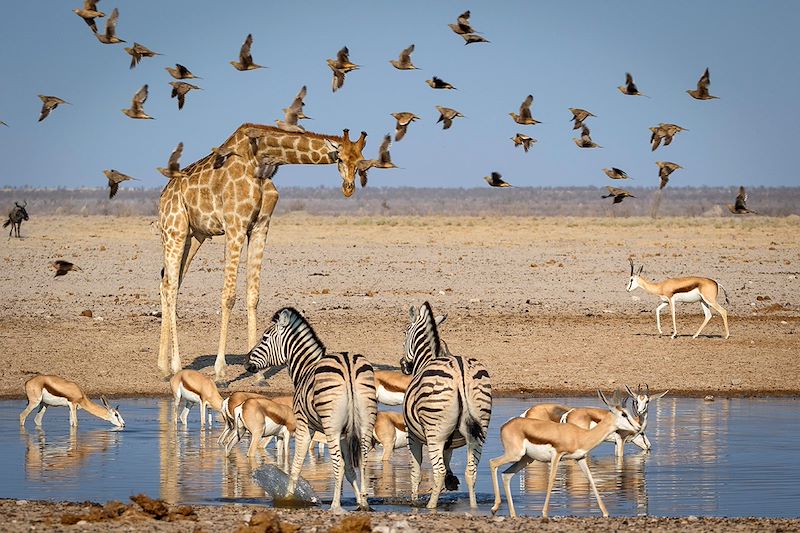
(541, 301)
(21, 515)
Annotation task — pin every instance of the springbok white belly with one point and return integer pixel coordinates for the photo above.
(272, 428)
(400, 439)
(388, 397)
(538, 452)
(52, 399)
(188, 395)
(688, 297)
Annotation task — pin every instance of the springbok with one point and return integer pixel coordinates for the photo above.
(390, 387)
(641, 403)
(190, 387)
(15, 218)
(526, 440)
(390, 432)
(228, 405)
(689, 289)
(263, 418)
(44, 391)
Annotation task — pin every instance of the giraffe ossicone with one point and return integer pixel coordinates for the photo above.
(235, 197)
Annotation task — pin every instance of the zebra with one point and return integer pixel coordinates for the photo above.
(448, 404)
(334, 393)
(15, 218)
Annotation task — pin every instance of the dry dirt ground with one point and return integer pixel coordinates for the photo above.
(541, 301)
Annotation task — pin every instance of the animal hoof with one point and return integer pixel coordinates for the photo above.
(451, 482)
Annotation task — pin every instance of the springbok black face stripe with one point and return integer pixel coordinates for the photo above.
(325, 386)
(448, 404)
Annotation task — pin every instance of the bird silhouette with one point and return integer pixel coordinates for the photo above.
(586, 139)
(384, 160)
(701, 93)
(524, 140)
(470, 38)
(740, 207)
(88, 13)
(114, 179)
(438, 83)
(404, 61)
(446, 115)
(403, 120)
(173, 169)
(462, 25)
(578, 116)
(180, 72)
(665, 132)
(180, 89)
(524, 117)
(340, 66)
(110, 36)
(245, 59)
(137, 52)
(496, 180)
(294, 113)
(618, 194)
(630, 87)
(665, 168)
(137, 102)
(222, 155)
(62, 267)
(616, 174)
(48, 104)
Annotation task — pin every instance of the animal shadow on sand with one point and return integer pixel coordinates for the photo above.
(207, 361)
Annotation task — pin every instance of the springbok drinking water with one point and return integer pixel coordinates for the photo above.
(44, 391)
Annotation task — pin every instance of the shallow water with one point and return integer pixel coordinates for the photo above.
(733, 458)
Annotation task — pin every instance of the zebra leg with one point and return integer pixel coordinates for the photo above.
(436, 453)
(450, 480)
(302, 441)
(335, 449)
(415, 447)
(474, 450)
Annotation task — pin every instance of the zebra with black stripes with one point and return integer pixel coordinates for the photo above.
(334, 393)
(448, 404)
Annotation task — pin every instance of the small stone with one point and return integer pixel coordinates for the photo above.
(22, 502)
(692, 518)
(709, 398)
(736, 381)
(87, 313)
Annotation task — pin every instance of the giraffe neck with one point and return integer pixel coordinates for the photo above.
(294, 148)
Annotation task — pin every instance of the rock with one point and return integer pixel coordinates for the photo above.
(736, 381)
(155, 508)
(358, 523)
(87, 313)
(709, 398)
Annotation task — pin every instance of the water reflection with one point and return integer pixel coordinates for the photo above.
(708, 458)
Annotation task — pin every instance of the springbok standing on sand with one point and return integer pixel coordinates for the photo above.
(15, 218)
(526, 440)
(190, 387)
(689, 289)
(44, 391)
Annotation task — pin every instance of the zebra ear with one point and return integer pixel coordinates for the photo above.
(412, 313)
(440, 319)
(283, 318)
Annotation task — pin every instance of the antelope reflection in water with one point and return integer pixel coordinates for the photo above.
(66, 453)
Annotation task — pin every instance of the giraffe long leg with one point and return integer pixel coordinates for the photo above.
(255, 255)
(588, 474)
(190, 249)
(174, 232)
(234, 241)
(707, 313)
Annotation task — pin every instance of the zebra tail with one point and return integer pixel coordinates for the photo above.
(472, 418)
(723, 292)
(7, 223)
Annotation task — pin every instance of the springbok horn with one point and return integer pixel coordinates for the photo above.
(647, 389)
(631, 261)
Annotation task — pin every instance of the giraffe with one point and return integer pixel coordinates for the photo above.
(235, 197)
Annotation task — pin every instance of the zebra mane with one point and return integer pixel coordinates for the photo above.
(431, 330)
(297, 316)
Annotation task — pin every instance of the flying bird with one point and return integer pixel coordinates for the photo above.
(137, 110)
(462, 25)
(180, 89)
(245, 59)
(221, 156)
(48, 104)
(110, 36)
(524, 140)
(616, 174)
(89, 12)
(403, 120)
(62, 267)
(173, 169)
(496, 180)
(665, 132)
(446, 115)
(3, 124)
(665, 168)
(470, 38)
(138, 51)
(384, 160)
(180, 72)
(740, 208)
(701, 93)
(294, 113)
(114, 179)
(524, 117)
(341, 66)
(586, 139)
(630, 87)
(618, 194)
(578, 116)
(438, 83)
(404, 61)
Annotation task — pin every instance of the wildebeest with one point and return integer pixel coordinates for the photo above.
(15, 218)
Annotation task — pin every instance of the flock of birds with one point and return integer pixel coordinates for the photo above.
(341, 65)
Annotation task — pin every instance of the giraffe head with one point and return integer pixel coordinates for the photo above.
(348, 155)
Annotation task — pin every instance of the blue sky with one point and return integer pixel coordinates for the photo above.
(567, 54)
